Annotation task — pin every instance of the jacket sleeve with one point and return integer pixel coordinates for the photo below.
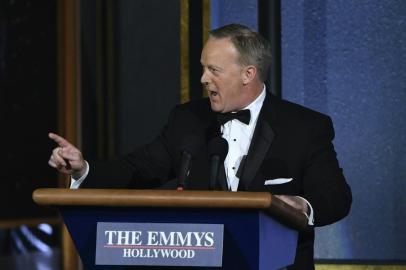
(148, 166)
(324, 185)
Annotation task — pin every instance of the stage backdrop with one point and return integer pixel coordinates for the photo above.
(348, 59)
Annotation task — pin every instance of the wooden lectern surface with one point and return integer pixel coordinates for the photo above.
(172, 198)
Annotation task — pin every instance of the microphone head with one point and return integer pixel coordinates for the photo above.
(218, 146)
(189, 148)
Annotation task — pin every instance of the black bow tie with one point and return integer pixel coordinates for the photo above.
(243, 116)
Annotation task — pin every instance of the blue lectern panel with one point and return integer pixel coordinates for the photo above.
(242, 241)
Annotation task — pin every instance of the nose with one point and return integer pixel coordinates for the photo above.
(204, 78)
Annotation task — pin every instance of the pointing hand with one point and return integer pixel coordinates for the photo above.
(66, 158)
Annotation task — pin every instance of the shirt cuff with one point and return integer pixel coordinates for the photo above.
(75, 183)
(310, 216)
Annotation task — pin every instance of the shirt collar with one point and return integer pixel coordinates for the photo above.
(256, 105)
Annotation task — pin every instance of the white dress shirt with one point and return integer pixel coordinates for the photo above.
(239, 136)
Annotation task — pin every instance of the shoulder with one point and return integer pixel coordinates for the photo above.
(292, 112)
(197, 109)
(291, 118)
(195, 114)
(196, 106)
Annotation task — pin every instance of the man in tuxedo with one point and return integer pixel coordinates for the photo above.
(273, 145)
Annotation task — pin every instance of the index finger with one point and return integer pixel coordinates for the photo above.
(62, 142)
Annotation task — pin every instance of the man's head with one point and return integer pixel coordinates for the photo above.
(235, 62)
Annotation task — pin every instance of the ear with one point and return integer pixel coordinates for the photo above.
(248, 74)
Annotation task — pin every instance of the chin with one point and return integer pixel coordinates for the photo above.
(215, 107)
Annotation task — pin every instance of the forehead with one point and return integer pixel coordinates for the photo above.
(219, 50)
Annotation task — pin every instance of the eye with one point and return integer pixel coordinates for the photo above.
(213, 70)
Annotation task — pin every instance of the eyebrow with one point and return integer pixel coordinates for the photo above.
(212, 66)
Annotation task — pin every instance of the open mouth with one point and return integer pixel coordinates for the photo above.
(212, 93)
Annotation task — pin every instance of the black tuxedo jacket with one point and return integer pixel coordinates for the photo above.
(289, 141)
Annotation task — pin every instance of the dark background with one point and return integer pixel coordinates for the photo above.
(28, 104)
(343, 58)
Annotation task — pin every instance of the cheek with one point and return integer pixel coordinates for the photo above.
(232, 90)
(227, 89)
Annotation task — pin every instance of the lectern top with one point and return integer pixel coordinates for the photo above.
(172, 199)
(152, 198)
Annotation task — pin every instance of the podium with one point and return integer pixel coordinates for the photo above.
(260, 231)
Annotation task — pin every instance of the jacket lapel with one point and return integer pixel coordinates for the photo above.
(222, 179)
(260, 143)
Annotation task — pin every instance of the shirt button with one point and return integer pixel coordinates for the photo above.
(233, 168)
(235, 140)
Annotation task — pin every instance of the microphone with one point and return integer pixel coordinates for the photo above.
(189, 147)
(218, 149)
